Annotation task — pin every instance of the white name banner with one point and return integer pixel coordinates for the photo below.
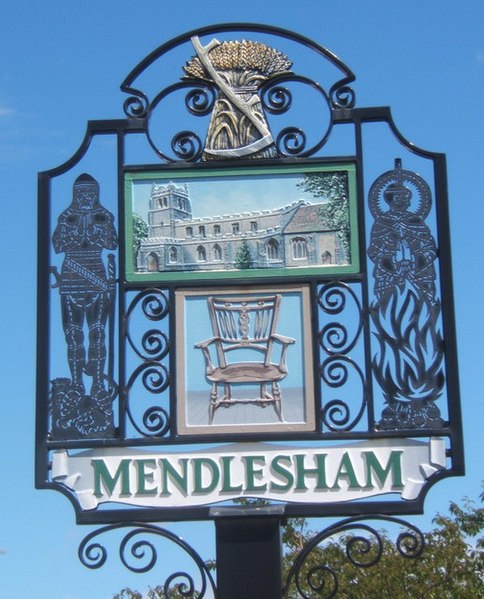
(258, 470)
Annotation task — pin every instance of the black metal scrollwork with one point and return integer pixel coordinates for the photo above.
(187, 146)
(154, 307)
(342, 96)
(276, 99)
(155, 380)
(363, 547)
(336, 412)
(139, 554)
(237, 83)
(337, 341)
(151, 304)
(136, 106)
(201, 100)
(291, 142)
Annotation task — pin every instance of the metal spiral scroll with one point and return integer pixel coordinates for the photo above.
(152, 305)
(277, 100)
(136, 106)
(363, 546)
(337, 341)
(199, 101)
(156, 419)
(336, 412)
(140, 555)
(187, 146)
(342, 97)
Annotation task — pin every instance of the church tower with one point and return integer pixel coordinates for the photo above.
(168, 203)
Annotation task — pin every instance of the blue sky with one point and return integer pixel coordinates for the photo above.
(215, 198)
(62, 63)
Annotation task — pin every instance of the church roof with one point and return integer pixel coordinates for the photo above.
(309, 219)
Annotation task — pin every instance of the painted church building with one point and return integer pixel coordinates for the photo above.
(299, 234)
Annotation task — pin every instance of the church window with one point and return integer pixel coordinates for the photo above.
(173, 255)
(217, 253)
(152, 263)
(216, 230)
(327, 258)
(189, 231)
(235, 228)
(201, 254)
(272, 249)
(299, 248)
(201, 231)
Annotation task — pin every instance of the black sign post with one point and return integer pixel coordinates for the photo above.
(249, 555)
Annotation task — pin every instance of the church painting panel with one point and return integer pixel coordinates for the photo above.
(241, 223)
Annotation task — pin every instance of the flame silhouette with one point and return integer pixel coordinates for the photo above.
(409, 364)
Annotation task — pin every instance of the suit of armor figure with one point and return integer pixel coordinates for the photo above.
(402, 247)
(83, 231)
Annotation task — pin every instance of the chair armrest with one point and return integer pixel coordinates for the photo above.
(283, 339)
(286, 342)
(206, 343)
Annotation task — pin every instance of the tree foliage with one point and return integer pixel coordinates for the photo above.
(140, 231)
(332, 187)
(243, 257)
(451, 565)
(153, 593)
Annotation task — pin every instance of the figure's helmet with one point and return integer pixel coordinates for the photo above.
(85, 193)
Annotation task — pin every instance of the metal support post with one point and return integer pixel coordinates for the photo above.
(249, 556)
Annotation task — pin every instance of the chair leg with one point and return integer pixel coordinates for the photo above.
(213, 402)
(276, 392)
(264, 394)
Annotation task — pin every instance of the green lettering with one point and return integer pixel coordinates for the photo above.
(102, 474)
(226, 485)
(280, 470)
(211, 466)
(319, 471)
(168, 471)
(144, 476)
(394, 465)
(347, 471)
(251, 473)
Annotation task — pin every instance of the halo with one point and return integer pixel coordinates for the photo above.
(397, 175)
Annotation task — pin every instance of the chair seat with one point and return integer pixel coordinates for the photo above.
(247, 372)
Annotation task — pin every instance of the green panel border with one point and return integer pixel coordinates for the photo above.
(172, 174)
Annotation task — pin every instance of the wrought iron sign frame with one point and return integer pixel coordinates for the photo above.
(393, 297)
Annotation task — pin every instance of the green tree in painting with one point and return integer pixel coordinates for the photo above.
(332, 187)
(140, 231)
(243, 258)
